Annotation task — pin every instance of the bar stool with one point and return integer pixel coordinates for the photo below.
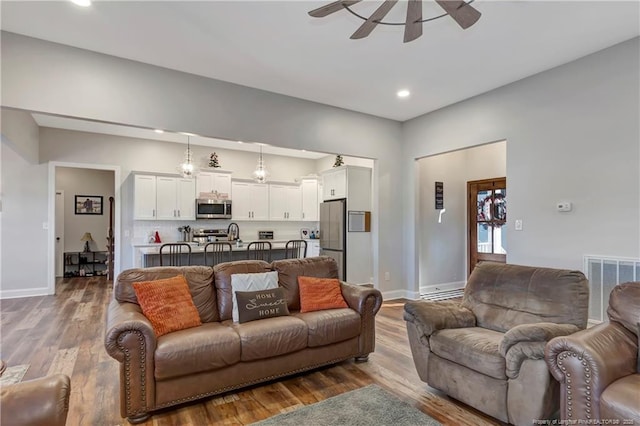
(218, 252)
(295, 249)
(259, 250)
(174, 252)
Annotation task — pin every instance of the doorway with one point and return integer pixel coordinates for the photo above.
(71, 223)
(487, 217)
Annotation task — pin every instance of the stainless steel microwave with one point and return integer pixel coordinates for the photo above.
(213, 209)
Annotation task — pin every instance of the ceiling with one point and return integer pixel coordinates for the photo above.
(276, 46)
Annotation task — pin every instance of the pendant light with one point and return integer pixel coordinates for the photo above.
(187, 169)
(260, 173)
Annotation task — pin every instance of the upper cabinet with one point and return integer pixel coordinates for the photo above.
(144, 196)
(213, 182)
(350, 182)
(310, 200)
(164, 198)
(250, 201)
(285, 202)
(334, 183)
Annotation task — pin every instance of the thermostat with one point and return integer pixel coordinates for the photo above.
(564, 206)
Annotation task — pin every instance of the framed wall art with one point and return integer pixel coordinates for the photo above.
(88, 204)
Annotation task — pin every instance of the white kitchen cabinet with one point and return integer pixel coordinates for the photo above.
(213, 182)
(285, 202)
(175, 198)
(310, 201)
(144, 197)
(313, 248)
(334, 183)
(250, 201)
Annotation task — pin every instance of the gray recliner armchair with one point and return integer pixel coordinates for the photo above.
(488, 350)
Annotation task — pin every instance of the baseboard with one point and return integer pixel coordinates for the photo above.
(442, 287)
(400, 294)
(28, 292)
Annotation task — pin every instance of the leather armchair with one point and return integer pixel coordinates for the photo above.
(598, 368)
(488, 350)
(38, 402)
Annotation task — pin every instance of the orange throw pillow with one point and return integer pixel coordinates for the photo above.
(167, 304)
(317, 294)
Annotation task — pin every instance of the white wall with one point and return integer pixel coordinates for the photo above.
(442, 247)
(48, 77)
(572, 135)
(75, 181)
(24, 209)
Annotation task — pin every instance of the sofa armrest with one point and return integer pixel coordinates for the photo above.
(536, 332)
(124, 318)
(130, 339)
(37, 402)
(586, 362)
(356, 297)
(432, 316)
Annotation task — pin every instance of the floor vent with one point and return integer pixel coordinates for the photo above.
(443, 295)
(604, 273)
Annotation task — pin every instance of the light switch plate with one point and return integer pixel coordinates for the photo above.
(518, 225)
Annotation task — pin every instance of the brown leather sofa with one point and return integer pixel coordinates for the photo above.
(221, 356)
(598, 368)
(488, 350)
(37, 402)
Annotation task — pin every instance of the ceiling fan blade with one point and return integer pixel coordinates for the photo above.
(330, 8)
(461, 12)
(413, 26)
(368, 26)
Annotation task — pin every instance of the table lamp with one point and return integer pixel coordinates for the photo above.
(86, 238)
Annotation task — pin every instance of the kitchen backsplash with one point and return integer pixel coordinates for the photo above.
(168, 230)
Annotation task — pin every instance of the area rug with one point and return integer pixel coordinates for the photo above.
(368, 406)
(13, 374)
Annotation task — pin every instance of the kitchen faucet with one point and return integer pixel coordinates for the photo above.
(233, 231)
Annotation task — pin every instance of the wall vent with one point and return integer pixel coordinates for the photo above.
(604, 273)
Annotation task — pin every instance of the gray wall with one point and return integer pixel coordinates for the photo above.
(572, 135)
(47, 77)
(442, 247)
(23, 267)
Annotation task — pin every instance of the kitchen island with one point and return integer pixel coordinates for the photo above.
(150, 257)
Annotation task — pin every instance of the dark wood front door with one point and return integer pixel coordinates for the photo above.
(487, 201)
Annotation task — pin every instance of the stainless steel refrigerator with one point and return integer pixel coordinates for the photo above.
(333, 233)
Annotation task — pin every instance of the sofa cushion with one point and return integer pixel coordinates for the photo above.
(317, 294)
(289, 270)
(620, 400)
(208, 347)
(251, 282)
(167, 304)
(262, 304)
(331, 326)
(199, 278)
(222, 281)
(474, 347)
(270, 337)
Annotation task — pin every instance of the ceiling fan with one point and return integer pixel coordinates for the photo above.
(461, 12)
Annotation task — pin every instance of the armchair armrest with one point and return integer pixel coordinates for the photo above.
(527, 341)
(586, 362)
(356, 297)
(432, 316)
(43, 401)
(536, 332)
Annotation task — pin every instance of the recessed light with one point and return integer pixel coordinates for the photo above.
(240, 142)
(159, 131)
(83, 3)
(403, 93)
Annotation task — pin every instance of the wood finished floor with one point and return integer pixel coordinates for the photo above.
(65, 334)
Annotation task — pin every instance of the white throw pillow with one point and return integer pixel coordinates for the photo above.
(251, 282)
